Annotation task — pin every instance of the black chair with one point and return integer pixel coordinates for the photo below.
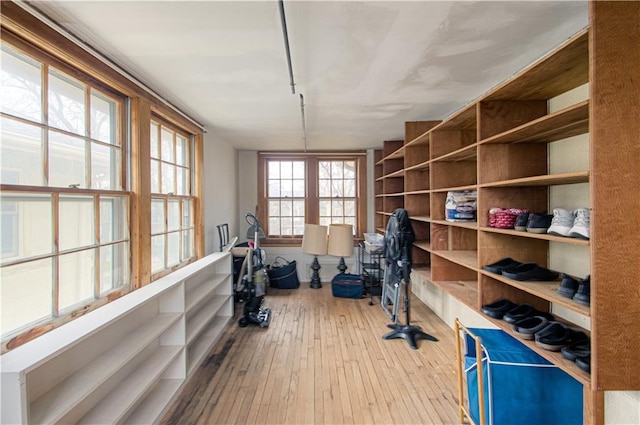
(223, 235)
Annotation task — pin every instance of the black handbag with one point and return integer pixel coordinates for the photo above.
(283, 274)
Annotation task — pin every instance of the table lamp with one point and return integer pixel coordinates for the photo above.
(341, 243)
(314, 241)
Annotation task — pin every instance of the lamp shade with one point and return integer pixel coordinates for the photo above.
(314, 240)
(340, 240)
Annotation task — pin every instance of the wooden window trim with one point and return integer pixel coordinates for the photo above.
(312, 214)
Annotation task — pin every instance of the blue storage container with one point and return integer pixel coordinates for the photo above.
(347, 285)
(520, 386)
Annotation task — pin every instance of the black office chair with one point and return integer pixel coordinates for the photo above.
(223, 234)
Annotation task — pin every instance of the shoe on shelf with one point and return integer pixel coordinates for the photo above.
(584, 363)
(522, 312)
(521, 222)
(561, 223)
(583, 294)
(580, 228)
(557, 335)
(530, 271)
(527, 328)
(498, 308)
(576, 349)
(499, 266)
(539, 223)
(569, 286)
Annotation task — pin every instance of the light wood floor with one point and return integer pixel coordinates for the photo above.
(323, 361)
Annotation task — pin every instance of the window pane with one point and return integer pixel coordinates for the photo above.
(21, 153)
(298, 169)
(325, 221)
(103, 118)
(336, 170)
(286, 225)
(114, 266)
(325, 207)
(168, 178)
(298, 225)
(187, 216)
(274, 226)
(286, 170)
(298, 208)
(66, 160)
(286, 188)
(77, 277)
(26, 225)
(274, 188)
(274, 169)
(274, 207)
(337, 209)
(181, 150)
(349, 169)
(324, 188)
(157, 253)
(173, 251)
(21, 86)
(166, 139)
(187, 244)
(298, 188)
(105, 174)
(350, 188)
(114, 223)
(66, 103)
(173, 215)
(26, 294)
(157, 216)
(76, 221)
(155, 148)
(183, 181)
(349, 208)
(286, 207)
(337, 189)
(324, 169)
(155, 176)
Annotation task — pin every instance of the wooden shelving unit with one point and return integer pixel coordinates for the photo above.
(124, 362)
(502, 145)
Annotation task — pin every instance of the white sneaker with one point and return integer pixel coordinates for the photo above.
(561, 223)
(580, 228)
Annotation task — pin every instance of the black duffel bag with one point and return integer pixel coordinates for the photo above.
(283, 274)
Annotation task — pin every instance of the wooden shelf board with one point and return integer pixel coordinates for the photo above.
(551, 238)
(418, 192)
(422, 139)
(390, 195)
(399, 153)
(457, 188)
(568, 122)
(424, 245)
(464, 258)
(424, 271)
(201, 346)
(463, 119)
(380, 230)
(559, 71)
(199, 321)
(544, 180)
(157, 401)
(465, 291)
(395, 174)
(554, 357)
(424, 218)
(466, 153)
(198, 293)
(466, 224)
(56, 403)
(122, 399)
(544, 290)
(421, 166)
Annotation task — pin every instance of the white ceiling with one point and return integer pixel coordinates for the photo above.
(364, 67)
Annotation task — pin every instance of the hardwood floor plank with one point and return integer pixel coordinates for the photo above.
(322, 360)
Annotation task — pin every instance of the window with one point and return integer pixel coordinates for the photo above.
(65, 235)
(172, 218)
(299, 189)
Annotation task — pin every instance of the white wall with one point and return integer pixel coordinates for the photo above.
(220, 190)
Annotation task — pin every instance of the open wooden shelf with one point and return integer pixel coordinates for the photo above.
(466, 258)
(423, 218)
(466, 224)
(465, 291)
(545, 290)
(462, 120)
(544, 180)
(543, 236)
(421, 166)
(423, 245)
(467, 153)
(568, 122)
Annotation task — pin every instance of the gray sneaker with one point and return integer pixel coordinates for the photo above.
(580, 228)
(561, 223)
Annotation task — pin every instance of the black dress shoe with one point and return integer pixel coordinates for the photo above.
(498, 308)
(499, 266)
(557, 335)
(577, 349)
(568, 286)
(584, 363)
(526, 328)
(530, 271)
(522, 311)
(583, 294)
